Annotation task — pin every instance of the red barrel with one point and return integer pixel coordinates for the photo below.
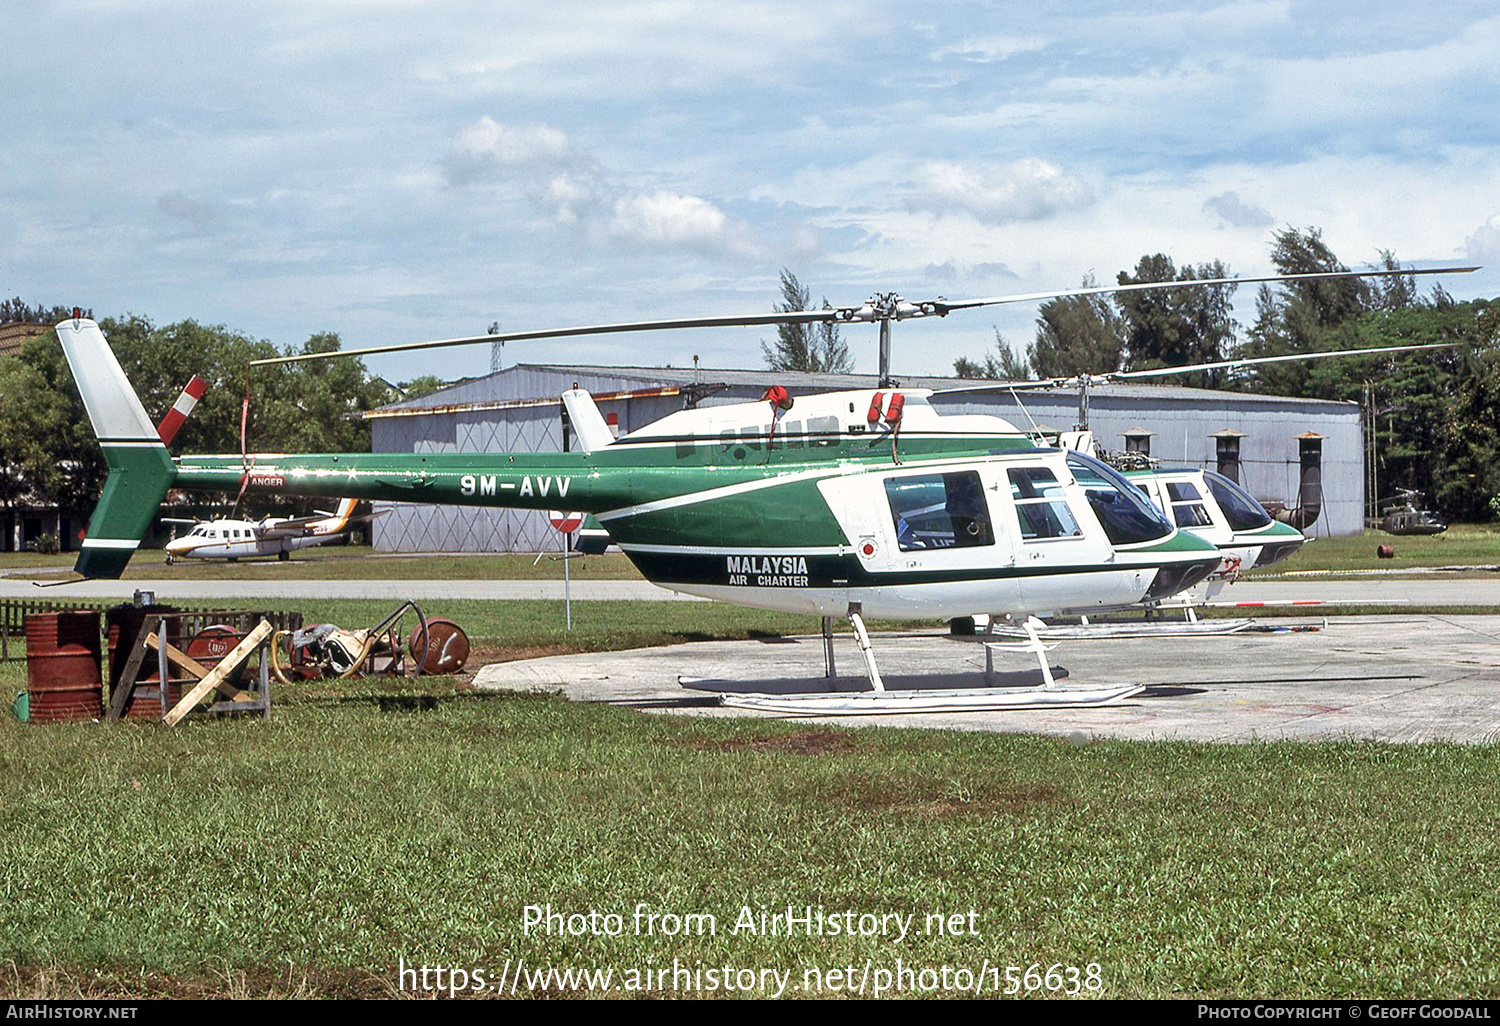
(62, 667)
(210, 645)
(446, 652)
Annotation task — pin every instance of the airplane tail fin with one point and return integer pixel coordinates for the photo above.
(140, 469)
(588, 423)
(342, 514)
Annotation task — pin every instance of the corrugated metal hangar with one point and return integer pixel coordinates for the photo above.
(1267, 443)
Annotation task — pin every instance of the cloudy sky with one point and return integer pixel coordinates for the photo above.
(395, 170)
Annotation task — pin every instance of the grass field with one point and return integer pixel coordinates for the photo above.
(1460, 545)
(310, 854)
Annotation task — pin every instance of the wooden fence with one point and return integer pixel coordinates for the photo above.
(13, 613)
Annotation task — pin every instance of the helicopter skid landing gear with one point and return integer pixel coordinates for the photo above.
(1033, 644)
(857, 622)
(1084, 630)
(880, 701)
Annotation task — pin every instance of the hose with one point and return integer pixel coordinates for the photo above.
(372, 638)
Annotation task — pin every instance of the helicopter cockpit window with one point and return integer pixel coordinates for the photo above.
(939, 511)
(1187, 505)
(1124, 511)
(1041, 507)
(1240, 509)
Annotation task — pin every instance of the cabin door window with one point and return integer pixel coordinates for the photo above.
(1041, 507)
(939, 511)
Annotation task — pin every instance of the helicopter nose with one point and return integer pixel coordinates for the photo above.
(1173, 579)
(1276, 553)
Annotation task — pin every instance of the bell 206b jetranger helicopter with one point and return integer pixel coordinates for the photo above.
(848, 504)
(270, 536)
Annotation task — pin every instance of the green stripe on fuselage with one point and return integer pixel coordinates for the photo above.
(612, 479)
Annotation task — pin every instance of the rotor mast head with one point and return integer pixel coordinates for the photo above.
(883, 308)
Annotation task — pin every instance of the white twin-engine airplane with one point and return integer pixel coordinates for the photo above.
(270, 536)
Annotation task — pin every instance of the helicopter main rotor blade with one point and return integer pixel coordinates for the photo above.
(794, 317)
(945, 306)
(1157, 372)
(1007, 386)
(882, 308)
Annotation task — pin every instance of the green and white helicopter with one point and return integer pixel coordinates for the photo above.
(844, 504)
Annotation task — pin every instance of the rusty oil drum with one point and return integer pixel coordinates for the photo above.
(62, 667)
(447, 650)
(210, 645)
(123, 626)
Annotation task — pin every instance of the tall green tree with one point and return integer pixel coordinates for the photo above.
(35, 418)
(1077, 335)
(1001, 365)
(314, 406)
(1176, 327)
(18, 310)
(1321, 303)
(1470, 452)
(805, 347)
(1417, 398)
(1302, 316)
(305, 406)
(1309, 317)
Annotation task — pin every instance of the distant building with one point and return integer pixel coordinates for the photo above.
(15, 334)
(1270, 444)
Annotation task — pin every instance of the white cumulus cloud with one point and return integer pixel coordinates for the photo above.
(668, 219)
(1484, 245)
(1023, 190)
(582, 196)
(488, 148)
(571, 195)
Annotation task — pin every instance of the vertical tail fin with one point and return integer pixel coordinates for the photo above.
(341, 516)
(140, 470)
(588, 423)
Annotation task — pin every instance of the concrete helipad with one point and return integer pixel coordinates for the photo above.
(1391, 678)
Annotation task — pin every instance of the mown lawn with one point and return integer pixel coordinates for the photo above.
(311, 854)
(1460, 545)
(348, 562)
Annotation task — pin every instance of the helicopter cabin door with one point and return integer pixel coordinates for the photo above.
(934, 533)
